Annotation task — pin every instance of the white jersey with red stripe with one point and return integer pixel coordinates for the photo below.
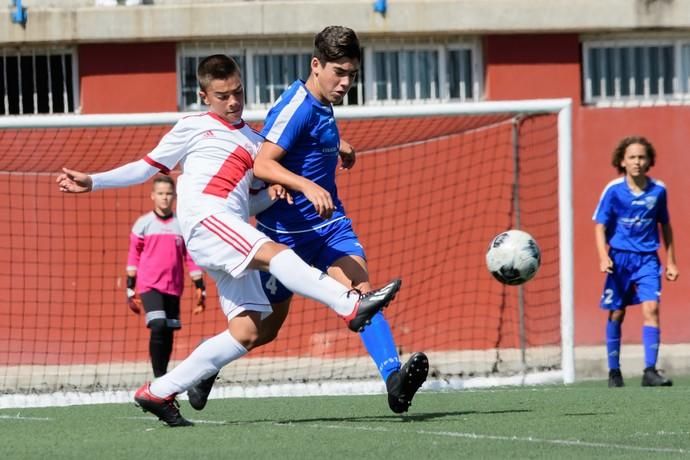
(216, 160)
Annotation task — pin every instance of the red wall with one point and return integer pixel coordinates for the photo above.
(141, 78)
(540, 66)
(126, 78)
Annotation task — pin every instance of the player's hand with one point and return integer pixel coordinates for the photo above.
(672, 272)
(347, 157)
(606, 265)
(200, 297)
(70, 181)
(320, 198)
(134, 301)
(278, 192)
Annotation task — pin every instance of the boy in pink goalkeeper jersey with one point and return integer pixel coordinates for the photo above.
(216, 152)
(155, 268)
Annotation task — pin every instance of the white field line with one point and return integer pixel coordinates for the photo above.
(477, 436)
(22, 417)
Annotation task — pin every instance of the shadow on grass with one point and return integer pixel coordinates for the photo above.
(402, 417)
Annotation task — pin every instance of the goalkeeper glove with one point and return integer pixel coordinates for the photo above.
(199, 295)
(133, 300)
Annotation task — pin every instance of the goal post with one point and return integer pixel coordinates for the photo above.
(432, 185)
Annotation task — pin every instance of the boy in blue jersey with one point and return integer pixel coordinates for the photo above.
(301, 151)
(628, 216)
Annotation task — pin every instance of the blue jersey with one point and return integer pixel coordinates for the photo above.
(632, 219)
(305, 128)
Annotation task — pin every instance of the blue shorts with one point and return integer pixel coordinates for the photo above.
(319, 248)
(636, 278)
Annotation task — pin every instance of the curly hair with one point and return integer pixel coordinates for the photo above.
(619, 151)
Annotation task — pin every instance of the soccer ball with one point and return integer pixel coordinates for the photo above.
(513, 257)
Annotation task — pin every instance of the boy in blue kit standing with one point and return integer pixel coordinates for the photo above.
(627, 218)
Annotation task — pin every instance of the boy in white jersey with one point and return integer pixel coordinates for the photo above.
(216, 151)
(627, 220)
(155, 273)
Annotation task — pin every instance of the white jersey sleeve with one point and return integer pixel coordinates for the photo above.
(172, 147)
(133, 173)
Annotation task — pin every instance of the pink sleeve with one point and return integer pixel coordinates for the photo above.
(136, 245)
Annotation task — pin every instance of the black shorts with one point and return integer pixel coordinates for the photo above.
(162, 306)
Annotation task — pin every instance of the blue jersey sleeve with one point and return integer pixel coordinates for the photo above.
(604, 211)
(286, 122)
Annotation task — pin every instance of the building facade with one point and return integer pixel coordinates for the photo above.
(624, 63)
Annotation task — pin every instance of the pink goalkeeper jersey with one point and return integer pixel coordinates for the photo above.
(157, 253)
(216, 159)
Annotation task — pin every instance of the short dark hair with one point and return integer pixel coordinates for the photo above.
(336, 42)
(215, 67)
(619, 151)
(164, 180)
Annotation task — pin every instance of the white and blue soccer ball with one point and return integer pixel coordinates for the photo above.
(513, 257)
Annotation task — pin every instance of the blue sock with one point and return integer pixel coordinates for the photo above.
(613, 344)
(378, 340)
(650, 339)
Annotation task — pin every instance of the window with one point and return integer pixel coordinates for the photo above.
(37, 80)
(636, 72)
(392, 72)
(423, 73)
(274, 72)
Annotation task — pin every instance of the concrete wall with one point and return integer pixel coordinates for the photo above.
(77, 22)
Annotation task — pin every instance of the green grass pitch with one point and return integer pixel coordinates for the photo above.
(585, 420)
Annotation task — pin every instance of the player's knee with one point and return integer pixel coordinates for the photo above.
(158, 326)
(266, 252)
(650, 311)
(249, 340)
(617, 315)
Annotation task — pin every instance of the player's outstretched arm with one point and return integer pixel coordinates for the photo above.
(71, 181)
(134, 173)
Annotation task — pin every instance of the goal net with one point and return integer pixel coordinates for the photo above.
(432, 185)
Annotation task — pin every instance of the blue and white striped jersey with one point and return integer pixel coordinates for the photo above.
(306, 129)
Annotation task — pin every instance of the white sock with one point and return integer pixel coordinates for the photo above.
(207, 359)
(310, 282)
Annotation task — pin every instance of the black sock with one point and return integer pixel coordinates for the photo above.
(160, 347)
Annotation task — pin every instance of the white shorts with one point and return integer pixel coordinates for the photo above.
(223, 245)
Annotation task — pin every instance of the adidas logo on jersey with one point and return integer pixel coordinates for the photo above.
(209, 133)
